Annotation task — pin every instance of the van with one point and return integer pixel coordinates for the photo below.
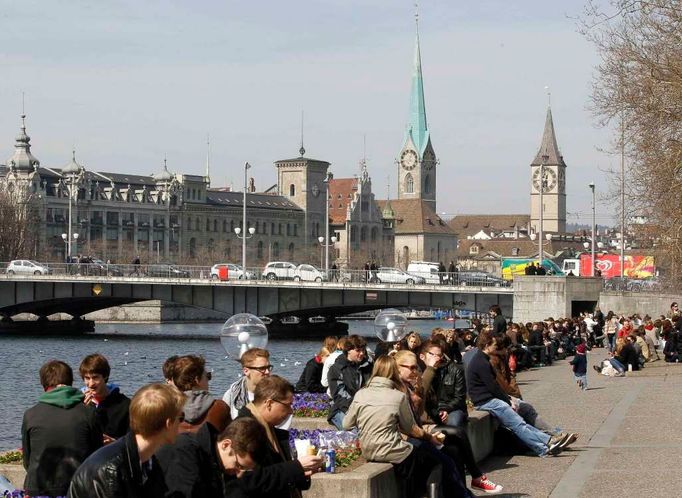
(425, 269)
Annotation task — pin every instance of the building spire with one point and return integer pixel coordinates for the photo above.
(548, 145)
(302, 149)
(417, 127)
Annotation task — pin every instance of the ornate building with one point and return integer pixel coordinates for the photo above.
(420, 234)
(551, 162)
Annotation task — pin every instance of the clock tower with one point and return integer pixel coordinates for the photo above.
(417, 161)
(548, 172)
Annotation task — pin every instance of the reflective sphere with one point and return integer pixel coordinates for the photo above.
(390, 325)
(241, 333)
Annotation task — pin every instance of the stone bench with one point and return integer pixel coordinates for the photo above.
(371, 480)
(376, 480)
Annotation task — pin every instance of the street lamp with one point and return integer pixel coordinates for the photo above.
(238, 230)
(67, 244)
(74, 173)
(591, 185)
(548, 238)
(324, 244)
(326, 228)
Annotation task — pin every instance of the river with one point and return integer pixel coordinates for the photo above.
(136, 353)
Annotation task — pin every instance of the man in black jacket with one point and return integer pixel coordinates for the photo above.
(347, 375)
(209, 464)
(57, 434)
(499, 323)
(127, 467)
(487, 395)
(448, 384)
(111, 406)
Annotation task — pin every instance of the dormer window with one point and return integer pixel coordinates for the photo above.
(515, 251)
(473, 249)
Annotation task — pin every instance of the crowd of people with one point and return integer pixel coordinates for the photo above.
(408, 400)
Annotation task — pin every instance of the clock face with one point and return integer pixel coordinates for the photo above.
(548, 182)
(408, 159)
(316, 190)
(429, 160)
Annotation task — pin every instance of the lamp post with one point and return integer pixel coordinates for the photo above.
(326, 245)
(67, 238)
(74, 174)
(591, 185)
(238, 230)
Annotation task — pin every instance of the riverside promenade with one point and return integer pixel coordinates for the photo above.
(630, 439)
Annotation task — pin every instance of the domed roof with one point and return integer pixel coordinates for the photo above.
(163, 176)
(73, 168)
(22, 159)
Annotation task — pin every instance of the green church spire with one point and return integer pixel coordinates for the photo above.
(417, 128)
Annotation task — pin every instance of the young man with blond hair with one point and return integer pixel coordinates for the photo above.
(255, 367)
(127, 467)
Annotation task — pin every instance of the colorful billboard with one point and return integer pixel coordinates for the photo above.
(609, 264)
(512, 267)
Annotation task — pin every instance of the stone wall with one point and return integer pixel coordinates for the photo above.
(539, 297)
(637, 302)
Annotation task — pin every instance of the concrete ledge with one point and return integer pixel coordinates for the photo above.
(15, 473)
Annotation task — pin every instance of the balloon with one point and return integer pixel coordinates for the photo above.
(390, 325)
(242, 332)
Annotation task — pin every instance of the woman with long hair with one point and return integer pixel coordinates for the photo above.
(382, 413)
(456, 445)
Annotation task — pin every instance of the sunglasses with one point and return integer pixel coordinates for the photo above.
(209, 375)
(413, 368)
(288, 405)
(262, 369)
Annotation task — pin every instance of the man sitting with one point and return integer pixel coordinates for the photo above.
(349, 373)
(57, 434)
(255, 366)
(127, 467)
(487, 395)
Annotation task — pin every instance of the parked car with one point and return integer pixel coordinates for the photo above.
(279, 270)
(397, 276)
(233, 272)
(427, 270)
(27, 267)
(166, 271)
(479, 279)
(98, 267)
(308, 273)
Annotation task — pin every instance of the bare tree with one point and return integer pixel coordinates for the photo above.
(19, 216)
(638, 91)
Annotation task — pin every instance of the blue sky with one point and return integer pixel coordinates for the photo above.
(129, 82)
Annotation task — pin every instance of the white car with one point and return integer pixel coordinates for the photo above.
(279, 270)
(396, 276)
(27, 267)
(233, 271)
(425, 269)
(308, 273)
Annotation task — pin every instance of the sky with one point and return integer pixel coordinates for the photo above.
(129, 83)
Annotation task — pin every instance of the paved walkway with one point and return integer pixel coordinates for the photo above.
(628, 426)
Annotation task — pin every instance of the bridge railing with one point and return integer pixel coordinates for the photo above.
(340, 277)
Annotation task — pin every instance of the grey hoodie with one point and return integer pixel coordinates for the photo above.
(197, 404)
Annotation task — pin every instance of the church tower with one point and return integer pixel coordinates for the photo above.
(417, 161)
(548, 163)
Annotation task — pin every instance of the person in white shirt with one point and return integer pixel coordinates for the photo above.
(330, 361)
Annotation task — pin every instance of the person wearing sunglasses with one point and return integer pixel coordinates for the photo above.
(191, 377)
(271, 406)
(255, 367)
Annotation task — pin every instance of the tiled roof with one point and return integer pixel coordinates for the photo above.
(505, 247)
(416, 216)
(466, 225)
(341, 193)
(255, 201)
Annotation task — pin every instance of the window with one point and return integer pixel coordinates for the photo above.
(275, 250)
(291, 251)
(260, 249)
(363, 234)
(409, 184)
(374, 234)
(427, 184)
(473, 249)
(295, 230)
(224, 226)
(292, 190)
(208, 225)
(215, 225)
(515, 251)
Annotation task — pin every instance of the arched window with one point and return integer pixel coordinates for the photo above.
(363, 234)
(197, 224)
(291, 251)
(427, 184)
(192, 247)
(292, 190)
(215, 225)
(409, 184)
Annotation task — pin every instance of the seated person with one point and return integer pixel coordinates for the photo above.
(255, 366)
(270, 407)
(487, 395)
(311, 377)
(57, 434)
(191, 377)
(111, 406)
(127, 467)
(349, 373)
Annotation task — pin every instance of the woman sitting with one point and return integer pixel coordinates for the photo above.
(191, 377)
(311, 377)
(422, 401)
(412, 342)
(382, 412)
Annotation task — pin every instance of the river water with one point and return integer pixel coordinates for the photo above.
(136, 353)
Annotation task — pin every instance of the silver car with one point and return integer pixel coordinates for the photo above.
(27, 267)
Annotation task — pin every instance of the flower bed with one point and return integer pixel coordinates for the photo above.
(345, 443)
(311, 405)
(14, 456)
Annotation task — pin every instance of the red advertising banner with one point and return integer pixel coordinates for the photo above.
(609, 264)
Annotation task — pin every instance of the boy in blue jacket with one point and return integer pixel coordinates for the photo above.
(579, 363)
